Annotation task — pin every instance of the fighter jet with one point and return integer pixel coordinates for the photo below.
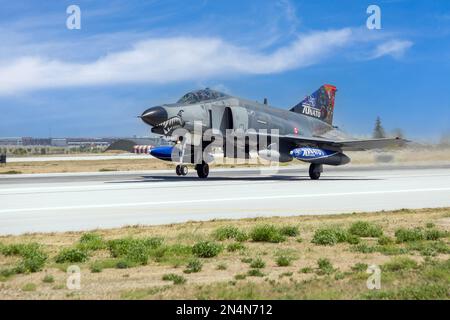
(209, 117)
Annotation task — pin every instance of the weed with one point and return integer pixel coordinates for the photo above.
(206, 249)
(29, 287)
(399, 263)
(360, 267)
(283, 261)
(229, 232)
(365, 229)
(258, 263)
(195, 265)
(266, 233)
(48, 279)
(255, 273)
(408, 235)
(221, 266)
(289, 231)
(175, 278)
(325, 266)
(71, 255)
(235, 246)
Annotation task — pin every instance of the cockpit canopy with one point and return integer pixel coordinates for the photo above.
(201, 95)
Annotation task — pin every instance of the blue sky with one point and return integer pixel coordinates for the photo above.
(130, 55)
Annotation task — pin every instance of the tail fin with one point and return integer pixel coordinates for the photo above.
(319, 105)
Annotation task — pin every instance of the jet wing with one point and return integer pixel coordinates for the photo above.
(344, 145)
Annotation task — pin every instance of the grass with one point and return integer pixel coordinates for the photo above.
(267, 233)
(11, 172)
(324, 266)
(29, 287)
(72, 255)
(206, 249)
(117, 255)
(229, 232)
(258, 263)
(48, 279)
(408, 235)
(330, 236)
(195, 265)
(175, 278)
(365, 229)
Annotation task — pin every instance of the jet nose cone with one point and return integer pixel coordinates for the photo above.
(154, 116)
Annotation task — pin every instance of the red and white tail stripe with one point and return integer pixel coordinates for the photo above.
(142, 149)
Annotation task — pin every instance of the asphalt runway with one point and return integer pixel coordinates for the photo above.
(69, 202)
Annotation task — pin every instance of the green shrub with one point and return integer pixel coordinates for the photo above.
(364, 248)
(246, 260)
(258, 263)
(383, 240)
(266, 233)
(399, 263)
(360, 267)
(353, 239)
(434, 234)
(391, 250)
(221, 266)
(430, 225)
(96, 268)
(135, 250)
(365, 229)
(71, 255)
(325, 266)
(240, 276)
(33, 256)
(91, 241)
(175, 278)
(283, 261)
(407, 235)
(229, 232)
(330, 236)
(29, 287)
(289, 231)
(306, 270)
(48, 279)
(255, 273)
(206, 249)
(124, 264)
(431, 248)
(232, 247)
(195, 265)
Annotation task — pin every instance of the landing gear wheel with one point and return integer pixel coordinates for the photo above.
(314, 171)
(183, 170)
(178, 170)
(202, 170)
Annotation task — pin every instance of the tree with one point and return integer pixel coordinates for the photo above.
(378, 131)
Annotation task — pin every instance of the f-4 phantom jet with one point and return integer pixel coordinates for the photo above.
(206, 119)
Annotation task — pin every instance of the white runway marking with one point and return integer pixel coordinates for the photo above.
(262, 198)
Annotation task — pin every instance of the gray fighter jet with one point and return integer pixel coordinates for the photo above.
(239, 126)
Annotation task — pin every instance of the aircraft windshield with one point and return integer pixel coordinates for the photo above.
(200, 95)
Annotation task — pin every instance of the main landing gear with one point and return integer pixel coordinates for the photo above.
(202, 170)
(315, 170)
(181, 170)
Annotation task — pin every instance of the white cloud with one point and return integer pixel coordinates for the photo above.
(394, 48)
(164, 60)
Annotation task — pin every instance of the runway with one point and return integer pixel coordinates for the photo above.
(70, 202)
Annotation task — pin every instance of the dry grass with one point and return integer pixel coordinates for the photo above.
(213, 282)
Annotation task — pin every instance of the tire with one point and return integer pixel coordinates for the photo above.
(178, 170)
(202, 170)
(184, 170)
(314, 171)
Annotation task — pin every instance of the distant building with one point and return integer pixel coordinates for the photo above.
(15, 141)
(59, 142)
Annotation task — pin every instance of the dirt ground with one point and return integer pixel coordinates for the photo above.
(145, 282)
